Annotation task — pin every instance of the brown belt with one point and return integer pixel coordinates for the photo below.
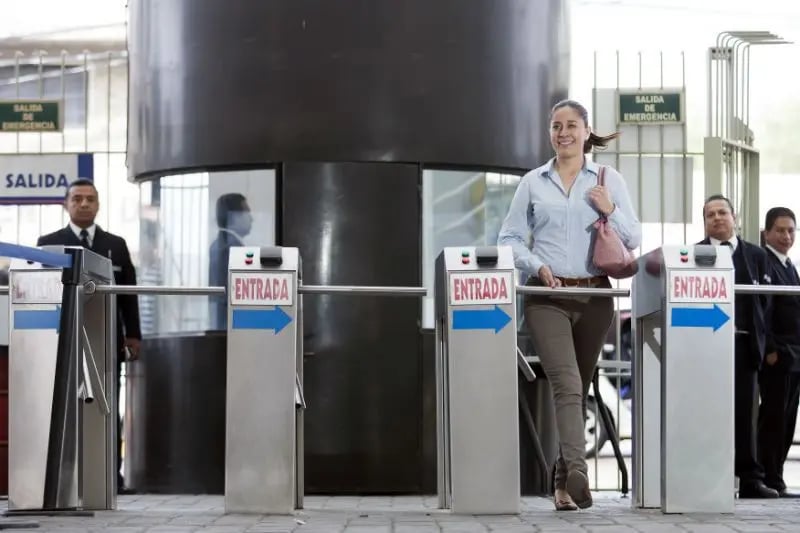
(582, 282)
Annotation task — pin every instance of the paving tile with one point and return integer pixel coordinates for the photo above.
(415, 514)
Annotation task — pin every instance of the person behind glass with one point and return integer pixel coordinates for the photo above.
(234, 222)
(779, 377)
(82, 205)
(557, 204)
(750, 268)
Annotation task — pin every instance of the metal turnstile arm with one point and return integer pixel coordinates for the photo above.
(524, 366)
(538, 450)
(91, 377)
(612, 432)
(299, 398)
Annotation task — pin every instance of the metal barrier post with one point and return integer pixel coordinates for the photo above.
(646, 325)
(60, 453)
(263, 382)
(695, 287)
(35, 292)
(98, 336)
(476, 384)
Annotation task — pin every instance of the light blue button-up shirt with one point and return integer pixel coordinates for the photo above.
(561, 223)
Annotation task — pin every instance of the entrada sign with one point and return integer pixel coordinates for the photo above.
(470, 288)
(261, 288)
(701, 286)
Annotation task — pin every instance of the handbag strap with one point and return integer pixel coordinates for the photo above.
(601, 181)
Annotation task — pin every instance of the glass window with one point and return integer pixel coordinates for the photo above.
(54, 83)
(460, 208)
(189, 222)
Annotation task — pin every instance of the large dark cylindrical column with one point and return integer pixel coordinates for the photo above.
(350, 101)
(462, 82)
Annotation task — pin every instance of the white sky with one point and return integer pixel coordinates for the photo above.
(34, 17)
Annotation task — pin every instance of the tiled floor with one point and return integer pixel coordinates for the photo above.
(174, 514)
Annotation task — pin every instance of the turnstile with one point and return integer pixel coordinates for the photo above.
(62, 449)
(476, 381)
(683, 331)
(263, 414)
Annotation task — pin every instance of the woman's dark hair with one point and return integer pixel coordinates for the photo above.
(600, 141)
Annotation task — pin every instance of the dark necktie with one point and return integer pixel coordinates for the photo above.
(790, 270)
(728, 244)
(85, 239)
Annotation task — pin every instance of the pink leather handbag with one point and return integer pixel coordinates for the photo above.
(610, 254)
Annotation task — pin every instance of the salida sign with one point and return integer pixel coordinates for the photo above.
(37, 288)
(41, 178)
(260, 288)
(470, 288)
(700, 286)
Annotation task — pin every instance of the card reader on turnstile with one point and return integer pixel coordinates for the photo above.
(705, 255)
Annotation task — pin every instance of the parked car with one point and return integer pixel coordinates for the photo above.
(616, 389)
(617, 393)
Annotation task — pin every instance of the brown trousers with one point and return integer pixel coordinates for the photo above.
(568, 335)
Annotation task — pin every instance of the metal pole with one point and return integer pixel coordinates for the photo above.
(406, 291)
(573, 291)
(153, 289)
(767, 289)
(302, 289)
(363, 291)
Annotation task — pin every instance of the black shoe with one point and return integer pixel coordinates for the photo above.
(756, 489)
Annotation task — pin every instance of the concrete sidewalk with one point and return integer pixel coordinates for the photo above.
(407, 514)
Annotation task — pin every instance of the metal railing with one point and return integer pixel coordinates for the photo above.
(616, 367)
(302, 289)
(573, 291)
(403, 291)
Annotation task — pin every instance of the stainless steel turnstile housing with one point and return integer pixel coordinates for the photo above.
(62, 437)
(476, 381)
(263, 416)
(683, 330)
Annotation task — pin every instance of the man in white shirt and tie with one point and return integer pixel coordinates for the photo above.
(82, 204)
(751, 343)
(779, 378)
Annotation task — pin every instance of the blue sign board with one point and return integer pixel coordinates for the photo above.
(37, 318)
(41, 178)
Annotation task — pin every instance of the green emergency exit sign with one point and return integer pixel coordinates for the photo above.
(650, 107)
(30, 116)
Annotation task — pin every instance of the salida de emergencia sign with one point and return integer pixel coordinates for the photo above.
(650, 107)
(37, 116)
(41, 178)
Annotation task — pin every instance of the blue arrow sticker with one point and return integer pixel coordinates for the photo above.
(495, 319)
(37, 319)
(275, 319)
(699, 317)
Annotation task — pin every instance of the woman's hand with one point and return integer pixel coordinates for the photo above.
(601, 199)
(547, 278)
